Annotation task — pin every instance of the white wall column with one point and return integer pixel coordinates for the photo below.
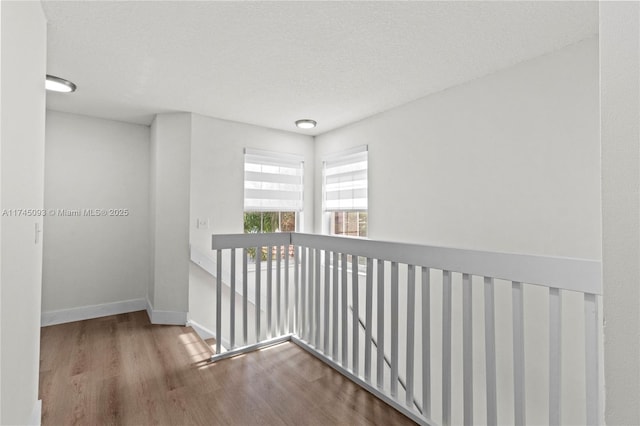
(0, 220)
(620, 138)
(169, 185)
(24, 43)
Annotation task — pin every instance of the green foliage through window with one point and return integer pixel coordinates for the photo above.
(259, 222)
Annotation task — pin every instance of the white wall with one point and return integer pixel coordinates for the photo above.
(23, 37)
(170, 153)
(620, 91)
(0, 220)
(508, 162)
(217, 172)
(152, 211)
(217, 188)
(93, 163)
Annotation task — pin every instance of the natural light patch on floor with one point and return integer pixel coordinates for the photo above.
(162, 375)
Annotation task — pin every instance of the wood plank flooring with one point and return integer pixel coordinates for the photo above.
(122, 370)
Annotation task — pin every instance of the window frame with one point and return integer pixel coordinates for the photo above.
(328, 214)
(275, 159)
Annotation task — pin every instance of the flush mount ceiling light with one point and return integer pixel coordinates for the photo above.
(306, 124)
(57, 84)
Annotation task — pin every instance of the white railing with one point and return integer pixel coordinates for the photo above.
(387, 315)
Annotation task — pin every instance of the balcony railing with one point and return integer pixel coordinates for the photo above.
(417, 325)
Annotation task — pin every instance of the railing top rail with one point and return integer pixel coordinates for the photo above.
(564, 273)
(228, 241)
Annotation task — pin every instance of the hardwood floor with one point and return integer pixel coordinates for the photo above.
(123, 370)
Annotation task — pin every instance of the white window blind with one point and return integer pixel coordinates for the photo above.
(345, 181)
(272, 181)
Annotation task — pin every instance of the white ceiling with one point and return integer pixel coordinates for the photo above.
(270, 63)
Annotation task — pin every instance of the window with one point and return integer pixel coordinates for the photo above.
(351, 223)
(344, 190)
(273, 191)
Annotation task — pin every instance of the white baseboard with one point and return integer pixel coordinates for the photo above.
(36, 414)
(92, 311)
(149, 308)
(165, 317)
(202, 331)
(206, 333)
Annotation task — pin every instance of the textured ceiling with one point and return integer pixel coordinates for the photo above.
(270, 63)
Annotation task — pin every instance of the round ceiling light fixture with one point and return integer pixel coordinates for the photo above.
(306, 124)
(57, 84)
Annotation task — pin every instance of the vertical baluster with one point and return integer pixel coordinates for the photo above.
(368, 320)
(279, 331)
(490, 352)
(269, 292)
(258, 290)
(591, 358)
(394, 329)
(411, 296)
(288, 311)
(245, 297)
(555, 355)
(232, 301)
(426, 342)
(327, 302)
(303, 293)
(296, 291)
(446, 348)
(518, 353)
(356, 315)
(344, 304)
(467, 348)
(316, 330)
(219, 301)
(335, 305)
(310, 296)
(309, 306)
(380, 328)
